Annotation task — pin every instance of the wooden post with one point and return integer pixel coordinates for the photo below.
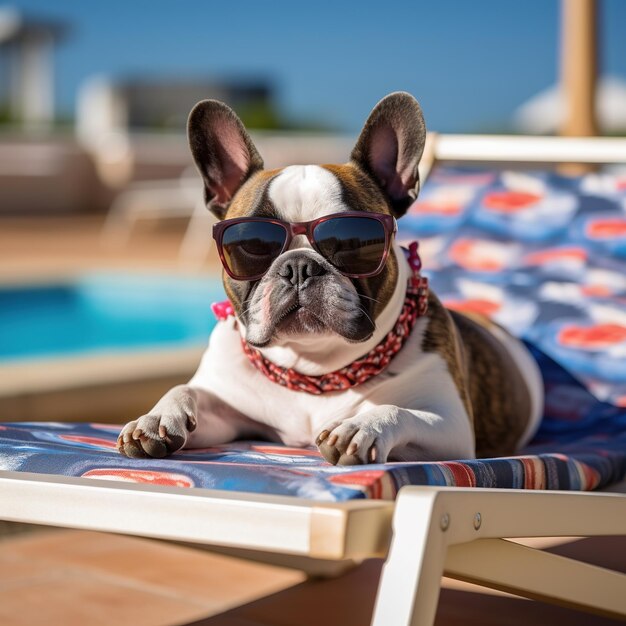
(579, 67)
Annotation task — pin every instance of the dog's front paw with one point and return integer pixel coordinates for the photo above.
(162, 431)
(356, 441)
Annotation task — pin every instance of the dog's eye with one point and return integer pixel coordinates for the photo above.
(256, 247)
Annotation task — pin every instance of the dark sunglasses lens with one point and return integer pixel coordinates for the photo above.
(354, 245)
(250, 247)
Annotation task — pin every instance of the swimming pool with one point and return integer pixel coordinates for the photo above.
(109, 312)
(100, 346)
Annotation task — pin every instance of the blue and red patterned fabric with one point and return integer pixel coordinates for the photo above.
(544, 255)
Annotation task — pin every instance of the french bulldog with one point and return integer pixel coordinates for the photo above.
(317, 283)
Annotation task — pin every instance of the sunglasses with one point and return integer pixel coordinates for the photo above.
(355, 243)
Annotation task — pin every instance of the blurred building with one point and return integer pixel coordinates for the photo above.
(40, 172)
(126, 129)
(135, 129)
(166, 103)
(106, 105)
(27, 54)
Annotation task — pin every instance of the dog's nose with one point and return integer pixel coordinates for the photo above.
(298, 269)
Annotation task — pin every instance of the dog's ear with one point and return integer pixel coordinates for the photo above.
(223, 152)
(390, 147)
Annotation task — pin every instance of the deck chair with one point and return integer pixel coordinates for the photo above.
(456, 517)
(158, 199)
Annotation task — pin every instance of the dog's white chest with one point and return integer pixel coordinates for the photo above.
(413, 379)
(297, 417)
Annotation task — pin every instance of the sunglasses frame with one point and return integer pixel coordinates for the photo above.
(292, 229)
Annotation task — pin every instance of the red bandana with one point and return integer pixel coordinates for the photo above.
(357, 372)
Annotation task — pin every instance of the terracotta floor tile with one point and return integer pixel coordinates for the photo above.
(14, 571)
(602, 551)
(464, 608)
(349, 599)
(214, 580)
(75, 599)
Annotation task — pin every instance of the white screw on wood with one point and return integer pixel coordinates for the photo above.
(445, 522)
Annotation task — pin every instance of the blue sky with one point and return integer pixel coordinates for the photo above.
(469, 62)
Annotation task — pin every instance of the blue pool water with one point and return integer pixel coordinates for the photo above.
(106, 312)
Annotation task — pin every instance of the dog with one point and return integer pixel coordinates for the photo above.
(333, 339)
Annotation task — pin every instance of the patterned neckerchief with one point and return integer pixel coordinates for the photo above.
(364, 368)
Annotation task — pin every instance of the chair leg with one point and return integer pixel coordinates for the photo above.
(117, 225)
(531, 573)
(409, 587)
(460, 531)
(196, 242)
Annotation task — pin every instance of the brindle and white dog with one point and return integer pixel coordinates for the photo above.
(459, 387)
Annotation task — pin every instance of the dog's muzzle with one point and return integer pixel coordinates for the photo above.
(302, 294)
(298, 270)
